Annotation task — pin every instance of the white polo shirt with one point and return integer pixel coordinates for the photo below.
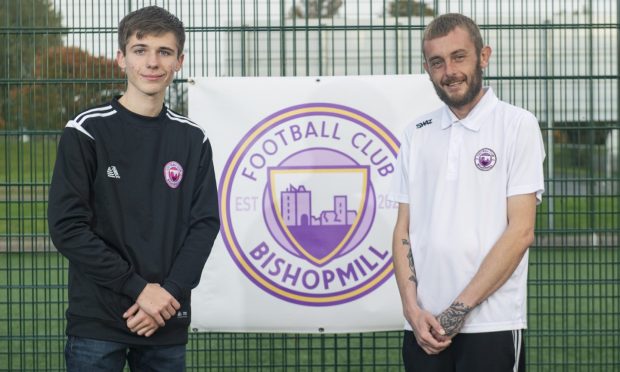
(456, 176)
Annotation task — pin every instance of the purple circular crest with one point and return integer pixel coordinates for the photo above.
(300, 214)
(485, 159)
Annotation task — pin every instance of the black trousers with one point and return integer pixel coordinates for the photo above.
(469, 352)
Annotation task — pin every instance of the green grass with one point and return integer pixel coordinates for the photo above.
(25, 173)
(573, 307)
(33, 298)
(582, 160)
(27, 162)
(579, 213)
(574, 302)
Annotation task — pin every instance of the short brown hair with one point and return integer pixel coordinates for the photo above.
(445, 23)
(151, 20)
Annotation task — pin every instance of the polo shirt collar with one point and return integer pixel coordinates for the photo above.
(472, 120)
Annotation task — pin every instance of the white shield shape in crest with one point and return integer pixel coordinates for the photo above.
(318, 208)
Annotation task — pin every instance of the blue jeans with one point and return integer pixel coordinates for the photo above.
(85, 354)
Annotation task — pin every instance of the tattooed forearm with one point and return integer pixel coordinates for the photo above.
(452, 318)
(413, 277)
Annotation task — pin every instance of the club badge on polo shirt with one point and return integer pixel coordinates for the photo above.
(485, 159)
(173, 174)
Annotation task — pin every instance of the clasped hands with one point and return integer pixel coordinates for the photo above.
(434, 334)
(153, 307)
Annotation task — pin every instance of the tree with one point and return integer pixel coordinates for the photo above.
(72, 80)
(315, 9)
(406, 8)
(27, 27)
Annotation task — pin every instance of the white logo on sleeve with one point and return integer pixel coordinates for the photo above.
(112, 172)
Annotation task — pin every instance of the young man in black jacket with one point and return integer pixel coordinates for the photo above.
(133, 206)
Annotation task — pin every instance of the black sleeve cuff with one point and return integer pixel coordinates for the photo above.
(134, 286)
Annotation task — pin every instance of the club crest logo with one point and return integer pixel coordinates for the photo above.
(173, 174)
(303, 204)
(485, 159)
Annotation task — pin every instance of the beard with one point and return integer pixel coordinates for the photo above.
(473, 89)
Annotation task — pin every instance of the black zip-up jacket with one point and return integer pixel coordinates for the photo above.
(133, 200)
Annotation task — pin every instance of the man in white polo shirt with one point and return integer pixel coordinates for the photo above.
(468, 179)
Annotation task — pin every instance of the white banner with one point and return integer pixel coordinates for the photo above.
(304, 167)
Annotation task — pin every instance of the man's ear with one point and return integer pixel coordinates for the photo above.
(180, 60)
(485, 56)
(120, 59)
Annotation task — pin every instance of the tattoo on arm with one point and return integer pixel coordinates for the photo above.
(452, 318)
(413, 277)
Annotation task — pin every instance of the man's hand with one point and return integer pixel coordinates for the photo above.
(422, 322)
(452, 319)
(139, 322)
(425, 326)
(158, 303)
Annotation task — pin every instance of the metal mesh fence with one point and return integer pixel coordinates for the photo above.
(558, 59)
